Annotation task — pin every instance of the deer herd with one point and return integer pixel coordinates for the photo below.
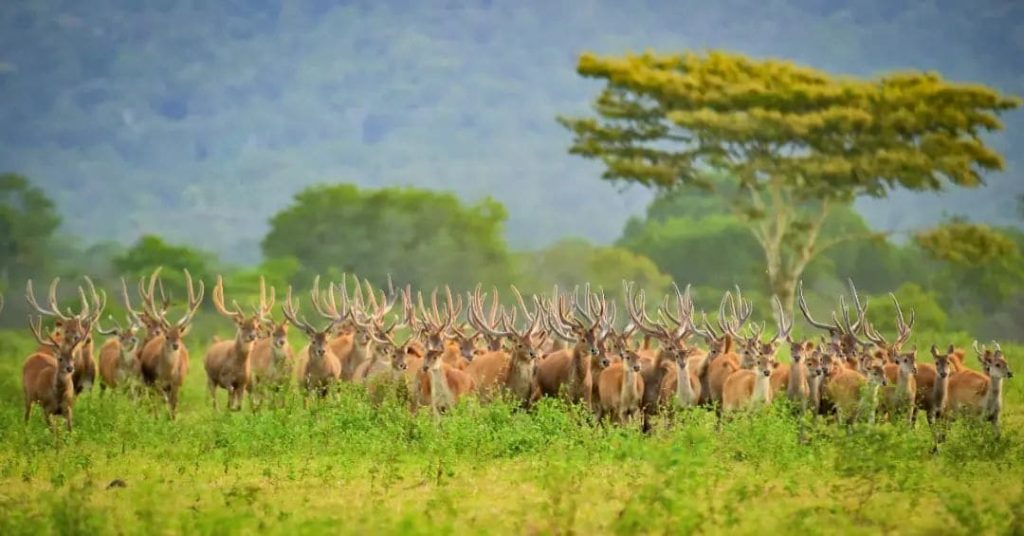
(433, 351)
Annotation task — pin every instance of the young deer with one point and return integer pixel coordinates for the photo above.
(798, 388)
(981, 394)
(745, 388)
(272, 363)
(622, 386)
(511, 372)
(319, 368)
(934, 401)
(164, 359)
(901, 397)
(854, 394)
(118, 355)
(567, 372)
(228, 365)
(46, 377)
(74, 328)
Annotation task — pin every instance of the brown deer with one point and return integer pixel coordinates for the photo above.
(746, 388)
(318, 367)
(981, 394)
(442, 384)
(382, 354)
(272, 363)
(567, 372)
(798, 388)
(890, 352)
(622, 386)
(854, 394)
(842, 337)
(164, 360)
(721, 361)
(354, 346)
(902, 397)
(510, 372)
(118, 355)
(227, 362)
(661, 373)
(46, 377)
(934, 401)
(73, 328)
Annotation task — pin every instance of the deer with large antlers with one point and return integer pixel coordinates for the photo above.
(842, 335)
(568, 371)
(721, 361)
(227, 363)
(319, 368)
(511, 371)
(118, 355)
(164, 361)
(74, 328)
(441, 383)
(661, 374)
(46, 376)
(981, 393)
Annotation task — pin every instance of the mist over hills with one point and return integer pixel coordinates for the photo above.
(199, 120)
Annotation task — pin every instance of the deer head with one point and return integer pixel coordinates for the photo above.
(318, 338)
(993, 361)
(70, 326)
(173, 333)
(249, 326)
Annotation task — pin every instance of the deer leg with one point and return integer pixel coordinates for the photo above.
(211, 388)
(68, 418)
(28, 407)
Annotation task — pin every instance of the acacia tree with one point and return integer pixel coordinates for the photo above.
(796, 141)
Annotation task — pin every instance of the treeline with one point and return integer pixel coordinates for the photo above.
(427, 238)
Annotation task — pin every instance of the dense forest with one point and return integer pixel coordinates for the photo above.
(199, 120)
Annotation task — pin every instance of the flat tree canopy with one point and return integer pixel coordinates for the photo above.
(794, 140)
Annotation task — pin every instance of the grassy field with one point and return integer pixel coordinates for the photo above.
(347, 467)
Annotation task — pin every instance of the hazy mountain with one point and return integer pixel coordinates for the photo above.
(198, 120)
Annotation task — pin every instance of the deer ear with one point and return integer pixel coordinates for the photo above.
(951, 349)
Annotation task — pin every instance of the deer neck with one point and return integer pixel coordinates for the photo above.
(628, 383)
(684, 389)
(903, 380)
(439, 383)
(580, 363)
(940, 389)
(814, 390)
(762, 388)
(63, 385)
(994, 394)
(242, 348)
(127, 353)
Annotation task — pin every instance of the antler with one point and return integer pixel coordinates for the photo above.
(635, 307)
(36, 326)
(195, 299)
(807, 313)
(54, 309)
(533, 319)
(476, 317)
(901, 323)
(218, 302)
(289, 314)
(785, 327)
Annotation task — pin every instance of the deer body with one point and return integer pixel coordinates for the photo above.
(978, 393)
(902, 396)
(622, 388)
(117, 362)
(228, 366)
(568, 370)
(747, 388)
(445, 383)
(164, 365)
(271, 362)
(46, 381)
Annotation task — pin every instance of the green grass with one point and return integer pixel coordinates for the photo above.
(347, 467)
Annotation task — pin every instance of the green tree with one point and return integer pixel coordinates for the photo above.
(797, 142)
(151, 252)
(28, 221)
(421, 237)
(575, 261)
